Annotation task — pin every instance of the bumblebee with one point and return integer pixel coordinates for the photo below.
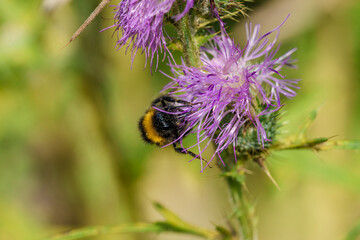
(163, 123)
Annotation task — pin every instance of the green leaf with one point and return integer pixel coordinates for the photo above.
(354, 233)
(341, 144)
(201, 40)
(289, 144)
(175, 45)
(167, 214)
(157, 227)
(318, 144)
(226, 235)
(176, 224)
(172, 224)
(94, 231)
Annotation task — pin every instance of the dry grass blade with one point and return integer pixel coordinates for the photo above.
(86, 23)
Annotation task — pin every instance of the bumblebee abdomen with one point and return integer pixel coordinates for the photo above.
(148, 129)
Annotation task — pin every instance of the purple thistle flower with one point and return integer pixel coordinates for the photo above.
(226, 90)
(141, 24)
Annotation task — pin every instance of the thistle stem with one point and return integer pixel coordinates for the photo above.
(242, 208)
(188, 40)
(233, 174)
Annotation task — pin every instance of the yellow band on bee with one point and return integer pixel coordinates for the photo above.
(150, 130)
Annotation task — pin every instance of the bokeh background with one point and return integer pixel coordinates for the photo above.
(71, 155)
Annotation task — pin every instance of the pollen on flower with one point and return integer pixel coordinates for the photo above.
(234, 87)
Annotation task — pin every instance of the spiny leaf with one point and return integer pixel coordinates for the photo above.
(341, 144)
(95, 231)
(318, 144)
(289, 143)
(157, 227)
(177, 224)
(172, 224)
(167, 214)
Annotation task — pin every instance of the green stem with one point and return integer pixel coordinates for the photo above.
(243, 211)
(234, 174)
(188, 40)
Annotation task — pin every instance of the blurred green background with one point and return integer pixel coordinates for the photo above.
(71, 155)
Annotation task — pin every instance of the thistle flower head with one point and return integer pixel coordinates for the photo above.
(140, 23)
(227, 91)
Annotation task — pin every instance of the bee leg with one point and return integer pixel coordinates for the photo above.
(176, 109)
(164, 99)
(184, 151)
(173, 100)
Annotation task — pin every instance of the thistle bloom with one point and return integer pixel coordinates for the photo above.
(229, 87)
(141, 24)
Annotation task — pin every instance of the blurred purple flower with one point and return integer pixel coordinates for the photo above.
(230, 84)
(140, 23)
